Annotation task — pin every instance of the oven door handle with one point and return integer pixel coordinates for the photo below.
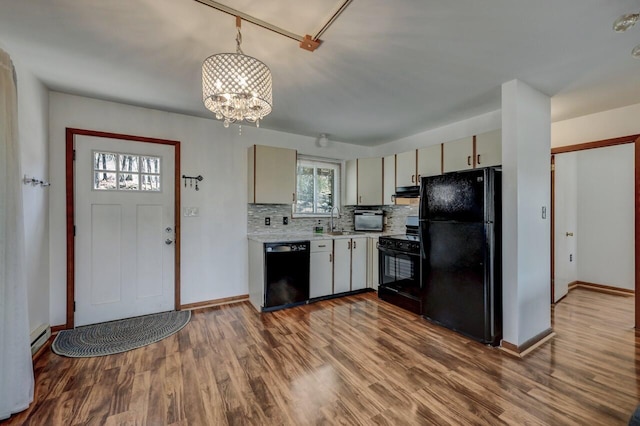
(392, 252)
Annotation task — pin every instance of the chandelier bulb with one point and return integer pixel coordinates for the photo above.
(624, 22)
(257, 123)
(226, 124)
(636, 52)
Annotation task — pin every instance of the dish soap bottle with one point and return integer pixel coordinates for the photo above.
(319, 228)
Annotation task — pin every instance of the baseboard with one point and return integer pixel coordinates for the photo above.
(43, 348)
(39, 337)
(56, 328)
(529, 346)
(215, 302)
(601, 288)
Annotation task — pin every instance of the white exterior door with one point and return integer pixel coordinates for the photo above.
(125, 232)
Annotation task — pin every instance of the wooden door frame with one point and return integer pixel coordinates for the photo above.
(635, 139)
(70, 180)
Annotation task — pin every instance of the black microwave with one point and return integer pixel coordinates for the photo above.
(368, 220)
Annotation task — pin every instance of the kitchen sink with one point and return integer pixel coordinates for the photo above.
(342, 233)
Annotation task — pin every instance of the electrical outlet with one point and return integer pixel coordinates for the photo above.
(285, 220)
(267, 221)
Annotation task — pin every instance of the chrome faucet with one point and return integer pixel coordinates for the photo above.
(335, 208)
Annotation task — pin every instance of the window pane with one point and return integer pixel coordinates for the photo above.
(304, 196)
(150, 164)
(150, 182)
(128, 181)
(324, 189)
(128, 163)
(102, 180)
(104, 161)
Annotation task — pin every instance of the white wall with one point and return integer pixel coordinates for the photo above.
(595, 127)
(214, 245)
(606, 222)
(566, 221)
(33, 132)
(526, 190)
(472, 126)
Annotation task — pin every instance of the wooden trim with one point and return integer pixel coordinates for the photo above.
(635, 139)
(529, 346)
(56, 328)
(553, 228)
(216, 302)
(442, 158)
(44, 348)
(637, 230)
(597, 144)
(177, 226)
(601, 288)
(70, 206)
(255, 172)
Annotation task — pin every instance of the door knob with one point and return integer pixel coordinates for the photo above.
(168, 229)
(569, 234)
(168, 241)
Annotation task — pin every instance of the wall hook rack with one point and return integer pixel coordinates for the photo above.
(191, 179)
(35, 182)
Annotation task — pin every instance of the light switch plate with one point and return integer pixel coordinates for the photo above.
(191, 211)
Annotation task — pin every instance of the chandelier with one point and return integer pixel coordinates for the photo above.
(236, 87)
(625, 22)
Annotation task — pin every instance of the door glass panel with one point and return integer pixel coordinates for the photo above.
(150, 164)
(150, 183)
(128, 163)
(103, 180)
(104, 161)
(122, 172)
(128, 181)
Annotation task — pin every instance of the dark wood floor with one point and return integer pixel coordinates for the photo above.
(354, 360)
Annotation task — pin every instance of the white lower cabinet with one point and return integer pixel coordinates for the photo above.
(350, 264)
(321, 269)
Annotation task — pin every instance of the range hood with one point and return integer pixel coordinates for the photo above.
(408, 191)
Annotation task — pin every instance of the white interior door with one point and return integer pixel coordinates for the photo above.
(124, 218)
(566, 223)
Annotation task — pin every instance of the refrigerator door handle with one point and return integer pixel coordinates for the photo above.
(489, 229)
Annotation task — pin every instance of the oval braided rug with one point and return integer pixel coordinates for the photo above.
(113, 337)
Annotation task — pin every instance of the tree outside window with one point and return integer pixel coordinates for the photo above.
(318, 186)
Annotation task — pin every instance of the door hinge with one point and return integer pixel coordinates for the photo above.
(74, 230)
(74, 306)
(74, 155)
(553, 167)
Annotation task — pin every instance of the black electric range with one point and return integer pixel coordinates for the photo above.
(399, 268)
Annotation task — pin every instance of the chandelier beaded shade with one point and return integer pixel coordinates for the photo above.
(236, 87)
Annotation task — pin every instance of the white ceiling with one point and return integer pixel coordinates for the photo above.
(386, 69)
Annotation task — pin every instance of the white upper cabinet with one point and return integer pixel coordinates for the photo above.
(429, 161)
(406, 169)
(458, 155)
(489, 149)
(358, 263)
(351, 183)
(389, 180)
(370, 181)
(272, 175)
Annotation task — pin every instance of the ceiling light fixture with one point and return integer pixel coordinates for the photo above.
(237, 87)
(623, 23)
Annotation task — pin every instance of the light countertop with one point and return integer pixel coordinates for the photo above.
(308, 236)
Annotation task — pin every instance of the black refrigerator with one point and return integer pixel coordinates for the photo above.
(461, 252)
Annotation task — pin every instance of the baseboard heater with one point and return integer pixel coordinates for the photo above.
(39, 337)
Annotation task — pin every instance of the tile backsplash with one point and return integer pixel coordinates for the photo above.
(395, 217)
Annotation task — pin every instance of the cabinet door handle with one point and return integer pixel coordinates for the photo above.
(330, 257)
(377, 245)
(413, 178)
(322, 245)
(478, 159)
(468, 160)
(294, 197)
(418, 180)
(354, 245)
(360, 198)
(349, 245)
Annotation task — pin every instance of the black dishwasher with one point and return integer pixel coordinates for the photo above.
(286, 268)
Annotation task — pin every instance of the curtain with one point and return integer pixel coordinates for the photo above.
(16, 369)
